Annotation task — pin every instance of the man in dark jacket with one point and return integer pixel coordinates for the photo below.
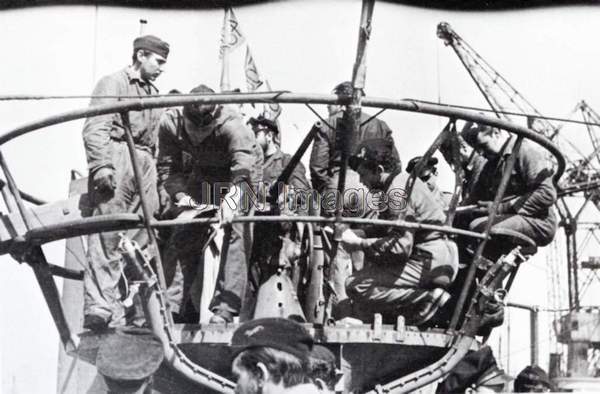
(527, 204)
(112, 186)
(325, 158)
(225, 157)
(325, 161)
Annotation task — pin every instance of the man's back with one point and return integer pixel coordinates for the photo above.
(325, 159)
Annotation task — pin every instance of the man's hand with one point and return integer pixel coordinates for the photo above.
(230, 205)
(104, 180)
(185, 201)
(484, 205)
(350, 238)
(164, 198)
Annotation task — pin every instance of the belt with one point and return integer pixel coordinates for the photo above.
(430, 236)
(137, 146)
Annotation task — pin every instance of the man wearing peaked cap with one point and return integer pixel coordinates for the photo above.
(127, 360)
(152, 44)
(111, 185)
(271, 356)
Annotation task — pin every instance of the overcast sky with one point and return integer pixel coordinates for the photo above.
(550, 55)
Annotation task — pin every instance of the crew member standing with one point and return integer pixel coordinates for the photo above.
(112, 186)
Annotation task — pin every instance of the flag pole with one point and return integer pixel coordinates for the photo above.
(226, 37)
(143, 24)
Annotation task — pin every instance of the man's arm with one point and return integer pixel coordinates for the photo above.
(319, 160)
(388, 135)
(536, 172)
(398, 244)
(170, 158)
(241, 150)
(96, 130)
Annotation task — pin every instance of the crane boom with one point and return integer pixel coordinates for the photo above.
(498, 92)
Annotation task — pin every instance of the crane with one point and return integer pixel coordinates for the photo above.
(582, 177)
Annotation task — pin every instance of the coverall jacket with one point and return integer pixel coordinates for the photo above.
(529, 196)
(105, 146)
(229, 155)
(403, 266)
(326, 155)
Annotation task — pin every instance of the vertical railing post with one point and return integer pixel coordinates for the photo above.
(534, 327)
(144, 203)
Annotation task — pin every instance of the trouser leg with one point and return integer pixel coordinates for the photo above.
(233, 273)
(541, 231)
(102, 295)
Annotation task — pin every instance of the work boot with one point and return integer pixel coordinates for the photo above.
(438, 297)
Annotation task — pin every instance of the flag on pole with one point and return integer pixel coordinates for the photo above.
(231, 39)
(231, 35)
(271, 110)
(252, 77)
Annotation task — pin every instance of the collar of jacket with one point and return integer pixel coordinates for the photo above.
(275, 156)
(134, 75)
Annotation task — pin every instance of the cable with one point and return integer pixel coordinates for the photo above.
(506, 112)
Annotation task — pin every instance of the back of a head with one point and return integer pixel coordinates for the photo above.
(344, 89)
(323, 366)
(202, 89)
(283, 368)
(532, 379)
(282, 345)
(375, 152)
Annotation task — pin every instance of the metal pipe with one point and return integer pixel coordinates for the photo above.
(12, 186)
(290, 98)
(353, 110)
(289, 169)
(9, 201)
(25, 196)
(43, 274)
(114, 222)
(533, 328)
(137, 172)
(157, 315)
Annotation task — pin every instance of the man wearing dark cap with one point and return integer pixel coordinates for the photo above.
(127, 359)
(428, 175)
(268, 242)
(527, 205)
(269, 139)
(407, 271)
(112, 187)
(271, 355)
(225, 158)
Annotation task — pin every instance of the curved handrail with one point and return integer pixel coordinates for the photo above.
(290, 98)
(125, 221)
